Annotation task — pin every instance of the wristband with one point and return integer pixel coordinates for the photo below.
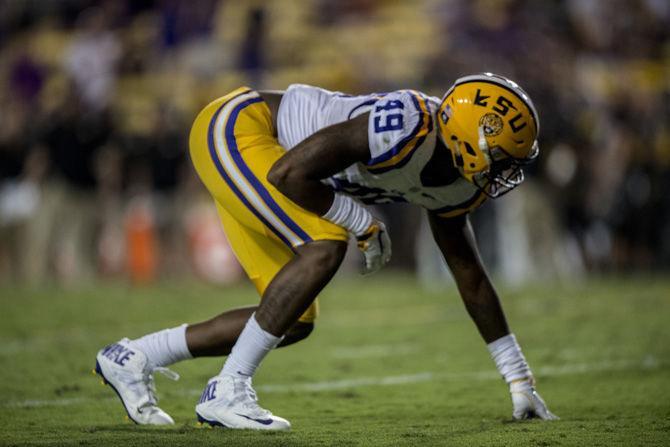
(509, 359)
(348, 213)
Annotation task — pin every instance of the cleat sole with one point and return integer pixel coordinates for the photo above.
(207, 423)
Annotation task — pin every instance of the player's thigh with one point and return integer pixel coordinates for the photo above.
(260, 256)
(207, 163)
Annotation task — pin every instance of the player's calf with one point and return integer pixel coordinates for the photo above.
(216, 337)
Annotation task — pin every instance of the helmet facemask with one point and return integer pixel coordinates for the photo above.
(504, 172)
(501, 173)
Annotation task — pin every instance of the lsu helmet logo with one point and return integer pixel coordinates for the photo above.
(490, 125)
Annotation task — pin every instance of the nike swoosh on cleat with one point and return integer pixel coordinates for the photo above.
(260, 421)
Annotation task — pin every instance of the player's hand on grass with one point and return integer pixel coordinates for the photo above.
(376, 247)
(528, 404)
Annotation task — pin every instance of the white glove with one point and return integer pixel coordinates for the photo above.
(376, 247)
(528, 404)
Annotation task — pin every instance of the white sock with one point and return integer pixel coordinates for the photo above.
(251, 347)
(509, 359)
(164, 347)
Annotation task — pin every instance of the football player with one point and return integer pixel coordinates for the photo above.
(290, 173)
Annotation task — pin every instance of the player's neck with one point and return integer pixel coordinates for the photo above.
(440, 169)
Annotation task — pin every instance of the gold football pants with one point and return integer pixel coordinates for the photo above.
(233, 147)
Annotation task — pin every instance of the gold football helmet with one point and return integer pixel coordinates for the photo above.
(490, 125)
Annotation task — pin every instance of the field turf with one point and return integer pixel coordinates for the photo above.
(388, 364)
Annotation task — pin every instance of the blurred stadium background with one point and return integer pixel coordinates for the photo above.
(97, 193)
(97, 98)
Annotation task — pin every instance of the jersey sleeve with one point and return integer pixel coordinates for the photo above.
(398, 124)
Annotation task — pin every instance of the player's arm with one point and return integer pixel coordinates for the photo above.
(298, 174)
(456, 240)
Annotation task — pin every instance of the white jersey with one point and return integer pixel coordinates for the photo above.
(401, 136)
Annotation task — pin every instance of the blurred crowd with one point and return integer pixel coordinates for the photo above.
(97, 98)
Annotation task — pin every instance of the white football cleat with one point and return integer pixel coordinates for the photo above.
(128, 372)
(231, 402)
(528, 404)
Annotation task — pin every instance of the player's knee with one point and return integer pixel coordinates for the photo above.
(325, 255)
(296, 333)
(301, 330)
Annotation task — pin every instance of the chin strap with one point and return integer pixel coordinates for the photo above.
(484, 146)
(458, 157)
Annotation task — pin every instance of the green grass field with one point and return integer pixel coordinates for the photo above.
(388, 365)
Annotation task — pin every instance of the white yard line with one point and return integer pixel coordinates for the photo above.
(32, 403)
(348, 383)
(648, 363)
